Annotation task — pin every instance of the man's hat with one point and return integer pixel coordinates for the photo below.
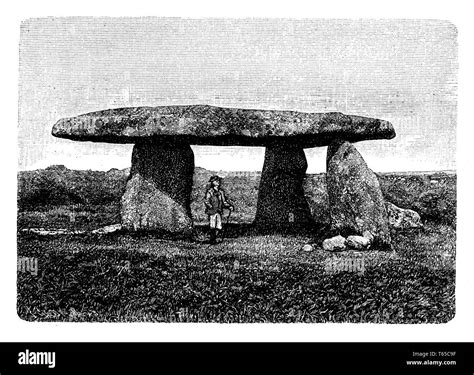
(215, 178)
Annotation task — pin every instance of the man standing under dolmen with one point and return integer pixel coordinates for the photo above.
(215, 202)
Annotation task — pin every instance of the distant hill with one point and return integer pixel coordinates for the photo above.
(58, 185)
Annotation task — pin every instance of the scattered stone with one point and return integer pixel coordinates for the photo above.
(337, 243)
(52, 232)
(401, 218)
(307, 247)
(368, 235)
(358, 242)
(108, 229)
(356, 201)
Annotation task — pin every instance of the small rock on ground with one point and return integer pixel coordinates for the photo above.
(337, 243)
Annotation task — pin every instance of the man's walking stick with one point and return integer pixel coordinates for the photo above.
(226, 223)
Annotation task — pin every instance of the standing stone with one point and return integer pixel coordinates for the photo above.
(355, 199)
(281, 201)
(158, 191)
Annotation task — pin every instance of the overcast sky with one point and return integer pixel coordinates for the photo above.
(403, 71)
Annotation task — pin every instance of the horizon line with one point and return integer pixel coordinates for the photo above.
(233, 171)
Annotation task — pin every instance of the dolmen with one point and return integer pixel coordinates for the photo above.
(158, 190)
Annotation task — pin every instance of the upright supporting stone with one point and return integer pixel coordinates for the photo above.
(281, 201)
(158, 192)
(355, 199)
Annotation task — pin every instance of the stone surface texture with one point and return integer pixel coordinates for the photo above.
(281, 200)
(355, 199)
(401, 218)
(337, 243)
(209, 125)
(157, 195)
(358, 242)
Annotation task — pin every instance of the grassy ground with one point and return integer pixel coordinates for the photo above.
(250, 277)
(246, 278)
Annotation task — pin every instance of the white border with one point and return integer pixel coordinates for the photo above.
(14, 329)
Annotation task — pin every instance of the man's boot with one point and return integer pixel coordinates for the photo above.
(218, 231)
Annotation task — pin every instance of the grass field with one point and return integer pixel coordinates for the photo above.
(265, 278)
(250, 276)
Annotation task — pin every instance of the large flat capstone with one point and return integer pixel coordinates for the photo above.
(209, 125)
